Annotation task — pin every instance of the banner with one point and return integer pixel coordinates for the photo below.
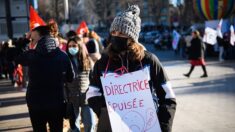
(82, 28)
(176, 38)
(210, 36)
(219, 32)
(215, 23)
(232, 35)
(129, 102)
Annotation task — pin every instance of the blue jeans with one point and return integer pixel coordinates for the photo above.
(87, 118)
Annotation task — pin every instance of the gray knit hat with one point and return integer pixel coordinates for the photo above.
(128, 22)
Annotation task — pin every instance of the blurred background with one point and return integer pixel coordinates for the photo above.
(159, 17)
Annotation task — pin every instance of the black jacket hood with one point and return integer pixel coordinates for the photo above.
(46, 45)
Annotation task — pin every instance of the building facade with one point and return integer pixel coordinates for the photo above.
(14, 18)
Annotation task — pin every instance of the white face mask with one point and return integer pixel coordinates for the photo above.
(73, 51)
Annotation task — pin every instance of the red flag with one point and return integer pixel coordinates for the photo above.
(82, 28)
(34, 19)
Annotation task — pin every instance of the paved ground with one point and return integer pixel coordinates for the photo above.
(13, 110)
(204, 105)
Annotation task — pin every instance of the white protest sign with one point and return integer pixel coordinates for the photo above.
(210, 36)
(232, 35)
(176, 38)
(129, 102)
(218, 29)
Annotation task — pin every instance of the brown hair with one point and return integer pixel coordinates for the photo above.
(135, 51)
(54, 31)
(197, 33)
(83, 57)
(94, 35)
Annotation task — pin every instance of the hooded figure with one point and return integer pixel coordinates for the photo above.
(49, 68)
(125, 51)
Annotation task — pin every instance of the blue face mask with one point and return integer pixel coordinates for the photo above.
(73, 51)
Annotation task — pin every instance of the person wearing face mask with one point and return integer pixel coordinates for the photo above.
(76, 90)
(124, 50)
(48, 69)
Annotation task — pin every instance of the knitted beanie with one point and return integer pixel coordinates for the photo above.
(128, 22)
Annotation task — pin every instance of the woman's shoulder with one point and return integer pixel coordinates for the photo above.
(151, 57)
(198, 39)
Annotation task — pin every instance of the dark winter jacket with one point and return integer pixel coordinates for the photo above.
(159, 84)
(49, 67)
(220, 41)
(11, 54)
(197, 49)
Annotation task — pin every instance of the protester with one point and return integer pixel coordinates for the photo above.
(18, 76)
(11, 53)
(92, 47)
(71, 34)
(183, 46)
(62, 43)
(95, 36)
(22, 43)
(196, 54)
(82, 66)
(221, 44)
(125, 51)
(54, 32)
(228, 48)
(4, 49)
(49, 68)
(1, 59)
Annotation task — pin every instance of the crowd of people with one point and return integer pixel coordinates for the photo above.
(59, 71)
(62, 74)
(9, 50)
(224, 50)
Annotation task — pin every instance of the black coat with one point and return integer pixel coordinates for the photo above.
(49, 68)
(197, 49)
(11, 54)
(167, 105)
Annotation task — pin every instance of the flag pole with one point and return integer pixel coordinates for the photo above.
(66, 10)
